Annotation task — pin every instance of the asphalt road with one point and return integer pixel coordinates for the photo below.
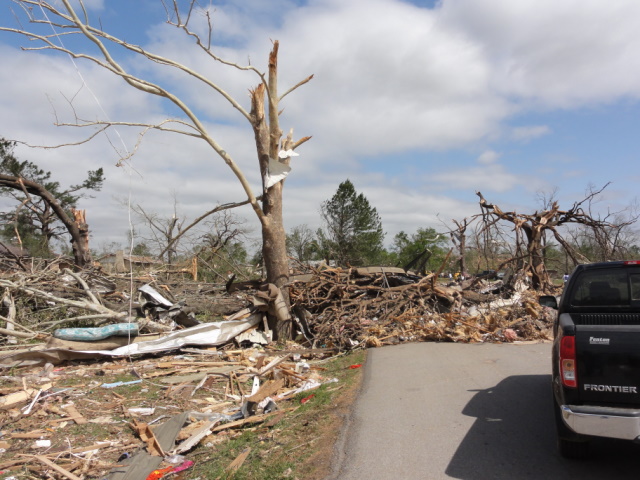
(473, 412)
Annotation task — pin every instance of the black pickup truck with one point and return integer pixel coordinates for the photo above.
(596, 355)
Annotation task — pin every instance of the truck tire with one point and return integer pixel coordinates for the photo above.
(577, 450)
(570, 444)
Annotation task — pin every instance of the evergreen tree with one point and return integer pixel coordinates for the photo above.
(353, 230)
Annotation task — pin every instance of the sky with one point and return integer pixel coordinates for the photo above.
(419, 103)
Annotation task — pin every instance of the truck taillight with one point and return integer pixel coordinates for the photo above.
(568, 361)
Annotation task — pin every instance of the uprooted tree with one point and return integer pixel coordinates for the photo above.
(273, 150)
(530, 231)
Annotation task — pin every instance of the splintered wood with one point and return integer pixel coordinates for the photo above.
(348, 308)
(202, 411)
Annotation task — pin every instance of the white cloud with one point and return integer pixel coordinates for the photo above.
(388, 75)
(488, 177)
(560, 54)
(525, 134)
(488, 157)
(391, 80)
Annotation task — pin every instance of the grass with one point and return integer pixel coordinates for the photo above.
(300, 445)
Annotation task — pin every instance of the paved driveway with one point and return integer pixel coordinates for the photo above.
(476, 412)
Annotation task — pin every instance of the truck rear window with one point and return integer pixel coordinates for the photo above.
(603, 287)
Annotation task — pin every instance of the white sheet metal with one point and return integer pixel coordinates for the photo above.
(204, 334)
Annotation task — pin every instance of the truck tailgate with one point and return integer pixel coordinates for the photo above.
(608, 364)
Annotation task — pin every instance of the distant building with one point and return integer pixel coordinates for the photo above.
(121, 262)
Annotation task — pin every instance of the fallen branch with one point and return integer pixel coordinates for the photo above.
(93, 306)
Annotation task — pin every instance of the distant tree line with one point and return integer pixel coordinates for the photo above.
(351, 233)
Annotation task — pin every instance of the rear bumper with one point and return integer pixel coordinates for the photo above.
(622, 423)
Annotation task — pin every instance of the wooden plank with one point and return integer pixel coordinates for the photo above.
(273, 363)
(147, 436)
(195, 437)
(57, 468)
(12, 463)
(74, 414)
(239, 460)
(249, 420)
(29, 435)
(195, 364)
(266, 390)
(28, 393)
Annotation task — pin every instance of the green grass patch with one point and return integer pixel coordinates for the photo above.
(91, 432)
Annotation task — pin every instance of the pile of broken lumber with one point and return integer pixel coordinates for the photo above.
(344, 308)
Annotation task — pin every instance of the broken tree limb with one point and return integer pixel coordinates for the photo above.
(84, 304)
(13, 333)
(10, 305)
(84, 286)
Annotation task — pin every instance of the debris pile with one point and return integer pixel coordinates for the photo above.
(332, 308)
(158, 369)
(352, 307)
(151, 419)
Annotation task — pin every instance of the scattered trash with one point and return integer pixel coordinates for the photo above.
(183, 466)
(124, 456)
(306, 399)
(174, 459)
(510, 335)
(120, 384)
(142, 411)
(158, 474)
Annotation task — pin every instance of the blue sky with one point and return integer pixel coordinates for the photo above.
(420, 104)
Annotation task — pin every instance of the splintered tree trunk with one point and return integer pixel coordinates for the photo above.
(463, 248)
(461, 238)
(274, 248)
(267, 136)
(539, 277)
(80, 241)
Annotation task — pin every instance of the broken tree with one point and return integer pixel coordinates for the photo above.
(76, 227)
(529, 247)
(274, 152)
(42, 203)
